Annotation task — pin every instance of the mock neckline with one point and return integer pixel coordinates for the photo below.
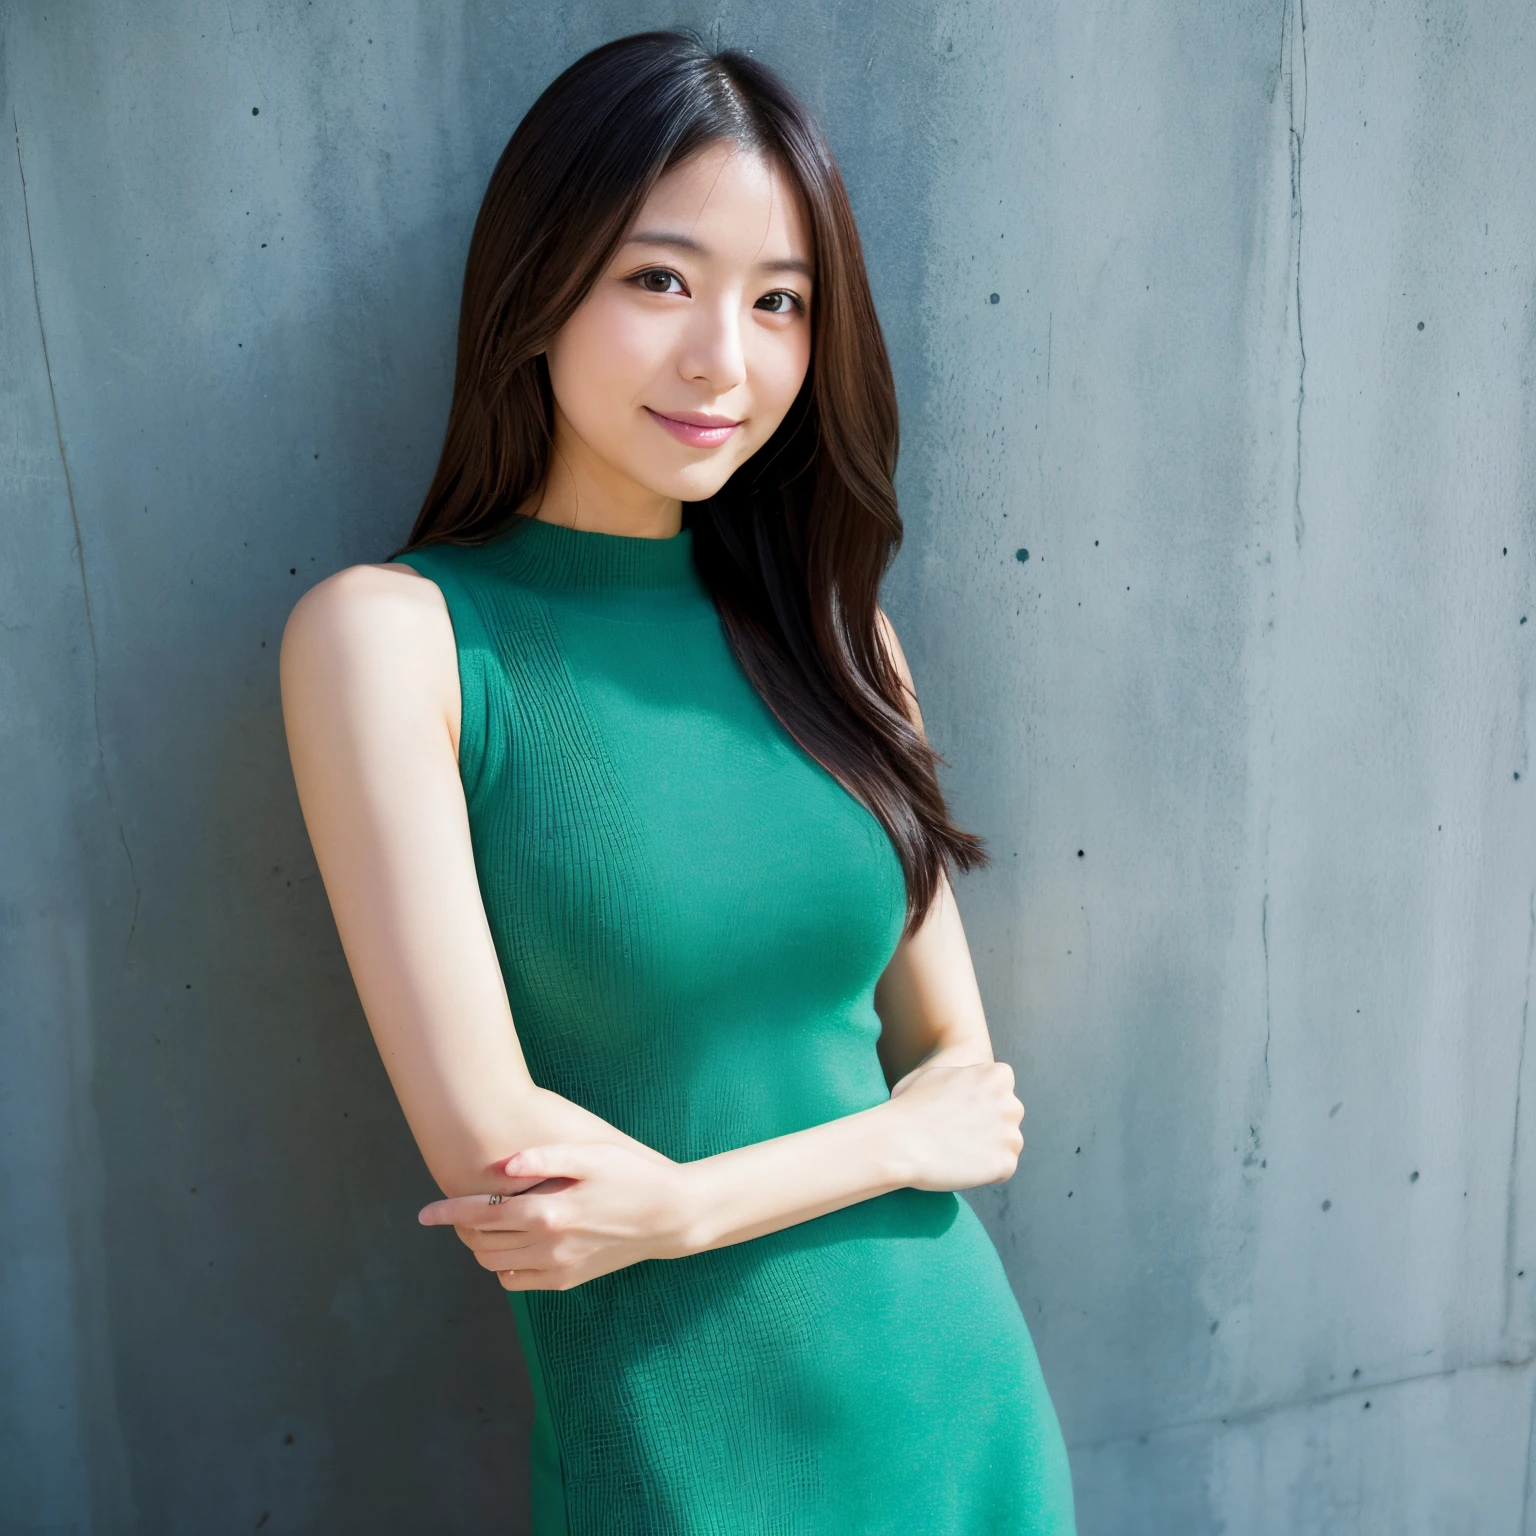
(545, 554)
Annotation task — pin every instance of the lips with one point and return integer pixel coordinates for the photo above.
(695, 428)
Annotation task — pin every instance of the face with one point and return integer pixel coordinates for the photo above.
(693, 344)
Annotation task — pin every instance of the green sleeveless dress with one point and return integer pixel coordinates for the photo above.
(691, 915)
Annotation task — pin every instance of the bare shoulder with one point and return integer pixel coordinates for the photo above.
(384, 623)
(368, 600)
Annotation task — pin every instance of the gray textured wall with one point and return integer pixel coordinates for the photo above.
(1225, 314)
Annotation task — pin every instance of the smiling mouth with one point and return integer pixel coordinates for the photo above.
(695, 428)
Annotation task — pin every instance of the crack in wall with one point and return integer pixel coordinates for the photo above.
(1264, 1411)
(74, 518)
(1293, 50)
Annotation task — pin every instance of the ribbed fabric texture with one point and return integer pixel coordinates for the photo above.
(691, 915)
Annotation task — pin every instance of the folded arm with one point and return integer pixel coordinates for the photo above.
(371, 706)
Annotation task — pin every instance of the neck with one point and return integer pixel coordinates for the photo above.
(581, 491)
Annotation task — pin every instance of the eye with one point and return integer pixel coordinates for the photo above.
(781, 302)
(658, 280)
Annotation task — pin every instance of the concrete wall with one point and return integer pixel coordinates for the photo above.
(1225, 314)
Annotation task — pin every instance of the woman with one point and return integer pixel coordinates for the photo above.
(618, 787)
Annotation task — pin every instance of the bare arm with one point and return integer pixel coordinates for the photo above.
(931, 1018)
(371, 704)
(371, 707)
(928, 1000)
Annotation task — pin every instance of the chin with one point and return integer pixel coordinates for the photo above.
(697, 482)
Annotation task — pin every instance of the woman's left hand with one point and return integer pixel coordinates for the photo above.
(594, 1208)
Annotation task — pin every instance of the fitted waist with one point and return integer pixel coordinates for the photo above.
(689, 1110)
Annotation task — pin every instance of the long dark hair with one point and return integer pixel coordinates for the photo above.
(793, 547)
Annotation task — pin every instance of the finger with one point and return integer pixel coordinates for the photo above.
(544, 1254)
(537, 1280)
(517, 1186)
(472, 1211)
(479, 1239)
(495, 1242)
(548, 1272)
(521, 1215)
(514, 1258)
(555, 1162)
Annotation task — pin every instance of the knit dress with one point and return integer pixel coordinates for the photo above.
(691, 915)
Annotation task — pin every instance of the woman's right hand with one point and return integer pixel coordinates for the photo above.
(959, 1125)
(584, 1210)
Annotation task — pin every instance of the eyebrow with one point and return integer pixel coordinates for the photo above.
(675, 240)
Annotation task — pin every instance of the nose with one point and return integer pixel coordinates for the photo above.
(713, 348)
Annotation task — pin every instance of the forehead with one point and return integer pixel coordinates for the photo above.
(727, 196)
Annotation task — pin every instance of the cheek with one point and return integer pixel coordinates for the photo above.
(778, 371)
(602, 361)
